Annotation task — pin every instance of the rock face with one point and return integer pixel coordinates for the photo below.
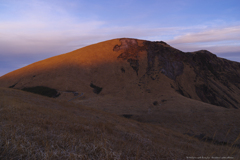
(217, 78)
(135, 67)
(130, 50)
(169, 59)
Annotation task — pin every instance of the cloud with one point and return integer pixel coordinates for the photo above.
(216, 49)
(53, 27)
(35, 36)
(224, 42)
(42, 27)
(210, 35)
(72, 36)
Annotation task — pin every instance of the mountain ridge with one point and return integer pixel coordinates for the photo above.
(133, 65)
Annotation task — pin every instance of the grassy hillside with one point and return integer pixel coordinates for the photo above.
(132, 68)
(175, 112)
(37, 127)
(122, 99)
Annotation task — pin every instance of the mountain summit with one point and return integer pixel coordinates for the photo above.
(132, 69)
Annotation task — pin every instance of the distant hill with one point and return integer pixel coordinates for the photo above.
(134, 68)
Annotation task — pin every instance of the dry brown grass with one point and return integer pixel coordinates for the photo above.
(36, 127)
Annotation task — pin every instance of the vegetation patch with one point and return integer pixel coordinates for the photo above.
(127, 115)
(45, 91)
(123, 70)
(204, 138)
(155, 103)
(96, 89)
(12, 86)
(134, 64)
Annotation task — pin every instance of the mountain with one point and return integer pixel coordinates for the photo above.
(134, 68)
(195, 95)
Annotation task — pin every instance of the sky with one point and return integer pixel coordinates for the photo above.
(33, 30)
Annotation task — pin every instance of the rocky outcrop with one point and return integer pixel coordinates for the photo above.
(216, 79)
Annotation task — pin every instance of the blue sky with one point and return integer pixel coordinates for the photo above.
(32, 30)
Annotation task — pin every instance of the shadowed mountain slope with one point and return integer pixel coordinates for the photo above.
(135, 69)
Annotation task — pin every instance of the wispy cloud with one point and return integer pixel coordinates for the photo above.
(221, 41)
(216, 49)
(42, 27)
(209, 35)
(44, 39)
